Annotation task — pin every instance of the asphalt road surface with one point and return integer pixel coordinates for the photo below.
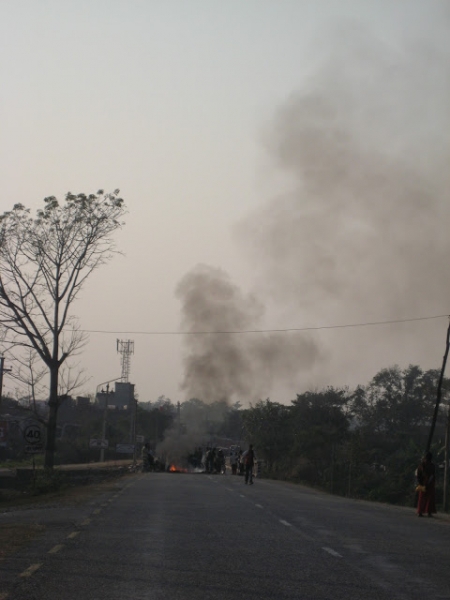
(181, 536)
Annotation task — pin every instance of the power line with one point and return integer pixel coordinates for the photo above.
(242, 331)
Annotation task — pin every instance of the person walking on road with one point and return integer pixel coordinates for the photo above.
(426, 478)
(248, 458)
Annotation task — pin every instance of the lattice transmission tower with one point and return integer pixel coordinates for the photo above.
(126, 349)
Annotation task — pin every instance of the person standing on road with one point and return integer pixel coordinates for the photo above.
(234, 460)
(248, 458)
(426, 478)
(220, 462)
(147, 457)
(240, 463)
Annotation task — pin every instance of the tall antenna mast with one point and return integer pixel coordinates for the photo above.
(126, 349)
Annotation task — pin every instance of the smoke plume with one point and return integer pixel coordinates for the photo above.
(235, 366)
(366, 144)
(362, 235)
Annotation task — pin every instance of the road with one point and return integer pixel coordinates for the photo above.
(180, 536)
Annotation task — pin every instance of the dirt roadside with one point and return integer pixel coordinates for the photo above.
(18, 531)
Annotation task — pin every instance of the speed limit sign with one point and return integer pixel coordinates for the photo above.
(32, 434)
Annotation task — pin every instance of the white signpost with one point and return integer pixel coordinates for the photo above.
(98, 443)
(125, 448)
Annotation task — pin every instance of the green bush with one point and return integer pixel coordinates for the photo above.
(46, 481)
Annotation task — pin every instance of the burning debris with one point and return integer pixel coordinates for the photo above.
(203, 460)
(174, 469)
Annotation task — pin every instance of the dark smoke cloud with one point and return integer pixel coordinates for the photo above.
(229, 366)
(364, 233)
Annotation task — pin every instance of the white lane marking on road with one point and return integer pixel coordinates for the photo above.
(86, 522)
(258, 506)
(97, 511)
(332, 552)
(230, 489)
(72, 535)
(283, 522)
(31, 569)
(242, 495)
(55, 549)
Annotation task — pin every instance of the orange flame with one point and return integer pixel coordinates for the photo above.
(174, 469)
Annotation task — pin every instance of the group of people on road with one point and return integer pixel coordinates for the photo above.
(211, 460)
(195, 459)
(214, 461)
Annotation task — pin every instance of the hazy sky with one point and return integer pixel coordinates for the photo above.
(178, 103)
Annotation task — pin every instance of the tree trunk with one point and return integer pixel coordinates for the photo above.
(52, 416)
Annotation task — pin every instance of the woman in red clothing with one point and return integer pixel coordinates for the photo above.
(426, 476)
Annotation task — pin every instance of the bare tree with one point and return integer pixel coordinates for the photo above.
(44, 262)
(30, 372)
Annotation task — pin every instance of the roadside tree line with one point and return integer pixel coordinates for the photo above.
(363, 443)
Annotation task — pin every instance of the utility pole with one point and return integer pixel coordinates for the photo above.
(2, 370)
(2, 363)
(446, 459)
(105, 416)
(133, 440)
(439, 389)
